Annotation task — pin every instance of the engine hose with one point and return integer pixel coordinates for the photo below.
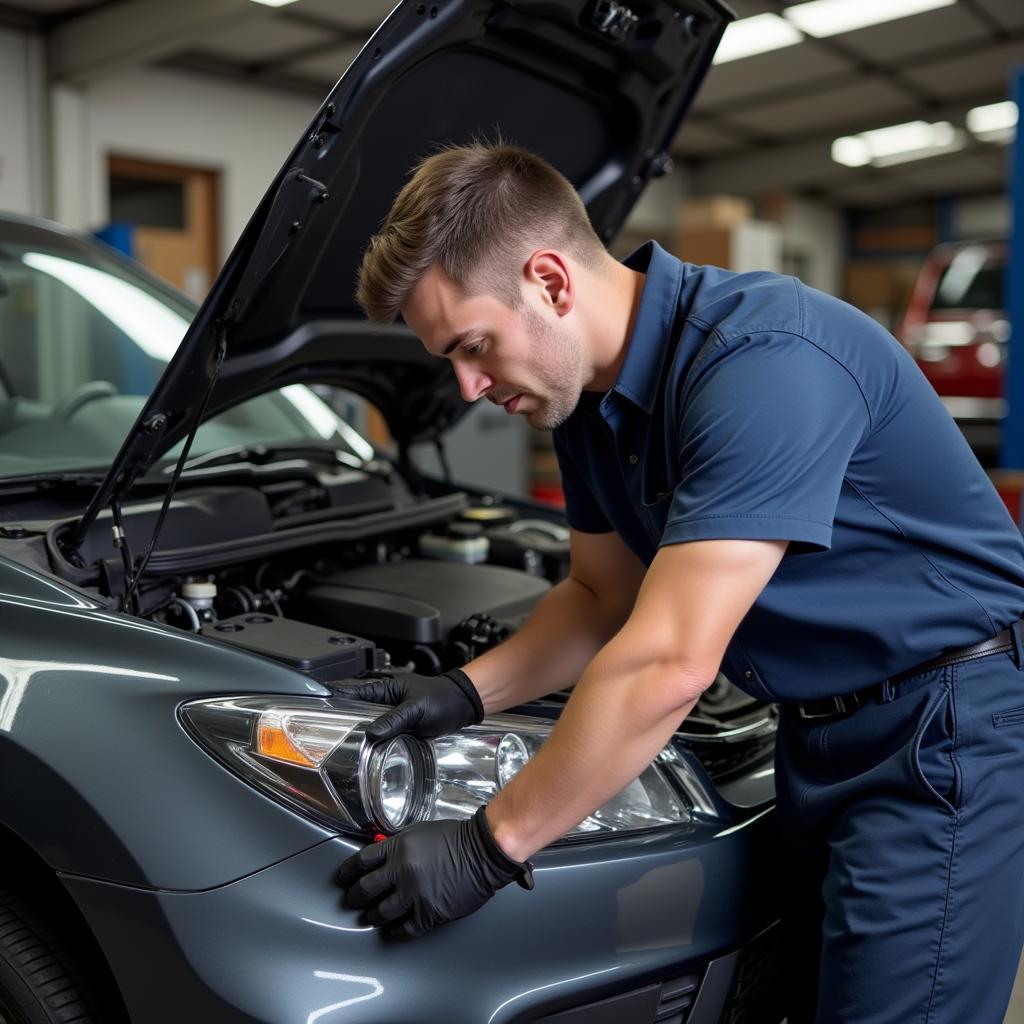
(189, 611)
(240, 595)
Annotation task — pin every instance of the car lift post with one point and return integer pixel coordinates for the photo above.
(1012, 448)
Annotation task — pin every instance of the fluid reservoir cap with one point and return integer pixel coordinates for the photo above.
(197, 591)
(491, 515)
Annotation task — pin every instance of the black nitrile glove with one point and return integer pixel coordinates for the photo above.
(427, 706)
(429, 873)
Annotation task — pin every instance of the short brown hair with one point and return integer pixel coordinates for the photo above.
(479, 211)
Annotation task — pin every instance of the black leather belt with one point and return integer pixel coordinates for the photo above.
(830, 707)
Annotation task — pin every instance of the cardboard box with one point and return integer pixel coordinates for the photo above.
(749, 245)
(713, 212)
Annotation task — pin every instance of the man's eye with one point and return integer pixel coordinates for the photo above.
(473, 348)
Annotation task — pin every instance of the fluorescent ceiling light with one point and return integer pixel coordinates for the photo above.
(273, 3)
(759, 34)
(830, 17)
(996, 122)
(897, 144)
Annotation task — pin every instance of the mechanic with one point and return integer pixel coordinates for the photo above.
(756, 476)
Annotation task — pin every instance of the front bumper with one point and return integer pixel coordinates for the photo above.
(606, 919)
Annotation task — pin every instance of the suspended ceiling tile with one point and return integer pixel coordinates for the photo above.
(731, 83)
(982, 69)
(871, 104)
(326, 67)
(364, 14)
(697, 140)
(882, 192)
(906, 36)
(260, 36)
(1010, 13)
(966, 172)
(756, 172)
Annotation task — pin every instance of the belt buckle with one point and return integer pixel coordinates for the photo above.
(839, 707)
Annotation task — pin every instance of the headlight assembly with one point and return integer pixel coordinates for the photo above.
(313, 754)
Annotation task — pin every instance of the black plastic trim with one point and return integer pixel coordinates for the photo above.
(211, 556)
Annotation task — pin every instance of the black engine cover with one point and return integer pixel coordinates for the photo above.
(419, 600)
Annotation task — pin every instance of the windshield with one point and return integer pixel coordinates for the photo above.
(973, 280)
(84, 338)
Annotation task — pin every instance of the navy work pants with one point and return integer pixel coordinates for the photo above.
(904, 825)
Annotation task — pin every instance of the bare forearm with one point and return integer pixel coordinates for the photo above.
(623, 711)
(565, 631)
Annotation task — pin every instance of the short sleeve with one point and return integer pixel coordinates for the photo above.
(582, 511)
(766, 434)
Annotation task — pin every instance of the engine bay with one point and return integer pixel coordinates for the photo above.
(296, 560)
(338, 570)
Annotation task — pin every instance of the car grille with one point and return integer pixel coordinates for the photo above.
(725, 762)
(677, 999)
(756, 996)
(669, 1002)
(755, 993)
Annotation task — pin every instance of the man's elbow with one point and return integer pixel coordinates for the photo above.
(680, 682)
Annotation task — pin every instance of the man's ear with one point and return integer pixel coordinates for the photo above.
(549, 271)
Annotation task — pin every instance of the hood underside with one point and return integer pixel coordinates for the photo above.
(595, 87)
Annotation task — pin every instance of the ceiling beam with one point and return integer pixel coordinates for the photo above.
(124, 35)
(996, 29)
(807, 164)
(769, 94)
(233, 71)
(768, 140)
(17, 18)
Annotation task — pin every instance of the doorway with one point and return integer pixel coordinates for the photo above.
(175, 211)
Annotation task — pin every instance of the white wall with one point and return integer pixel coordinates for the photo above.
(657, 212)
(23, 185)
(160, 114)
(982, 217)
(812, 233)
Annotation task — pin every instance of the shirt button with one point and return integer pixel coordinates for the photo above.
(748, 674)
(633, 460)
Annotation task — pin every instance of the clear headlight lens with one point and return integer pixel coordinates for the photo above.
(512, 755)
(313, 754)
(391, 781)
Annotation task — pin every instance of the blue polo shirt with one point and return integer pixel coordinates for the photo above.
(751, 406)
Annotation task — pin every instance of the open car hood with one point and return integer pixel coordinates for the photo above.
(596, 87)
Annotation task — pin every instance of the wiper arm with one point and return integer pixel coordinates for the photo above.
(49, 481)
(260, 455)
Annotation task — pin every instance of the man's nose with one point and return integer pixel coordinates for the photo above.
(472, 382)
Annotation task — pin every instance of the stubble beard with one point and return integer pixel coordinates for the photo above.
(559, 365)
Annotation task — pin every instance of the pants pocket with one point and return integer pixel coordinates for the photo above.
(932, 752)
(1012, 716)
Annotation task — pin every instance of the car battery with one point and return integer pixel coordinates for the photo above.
(322, 654)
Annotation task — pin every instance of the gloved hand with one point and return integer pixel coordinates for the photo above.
(427, 706)
(429, 873)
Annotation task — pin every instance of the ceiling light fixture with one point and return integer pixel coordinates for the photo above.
(750, 36)
(274, 3)
(897, 144)
(996, 122)
(830, 17)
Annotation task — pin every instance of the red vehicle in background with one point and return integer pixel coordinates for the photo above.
(957, 330)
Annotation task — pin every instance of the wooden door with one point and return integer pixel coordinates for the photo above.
(175, 210)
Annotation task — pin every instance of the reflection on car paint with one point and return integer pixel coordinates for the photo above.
(17, 674)
(377, 987)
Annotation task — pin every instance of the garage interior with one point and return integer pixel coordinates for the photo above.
(864, 147)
